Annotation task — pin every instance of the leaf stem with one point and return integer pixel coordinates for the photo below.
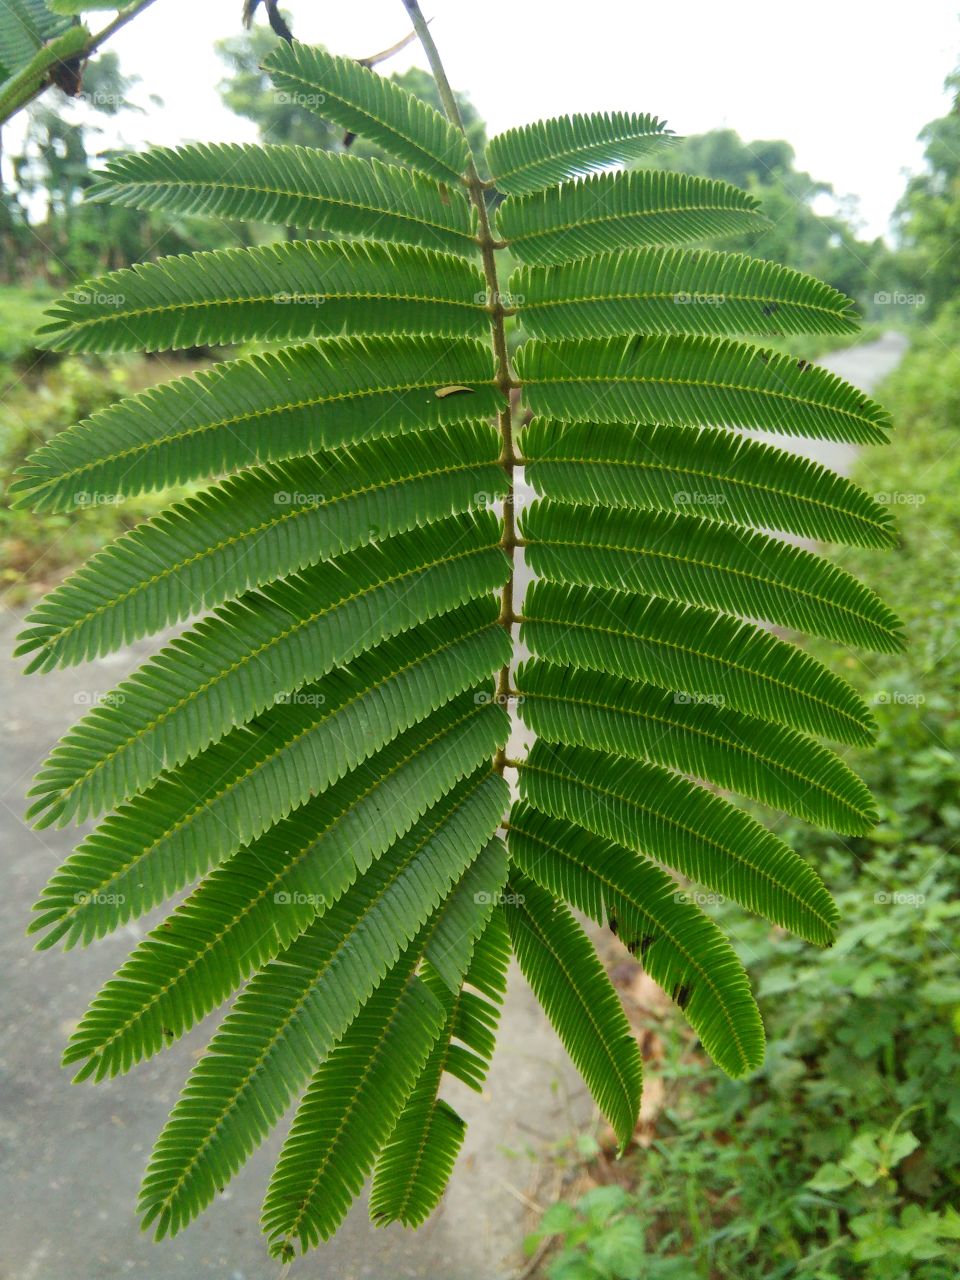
(503, 376)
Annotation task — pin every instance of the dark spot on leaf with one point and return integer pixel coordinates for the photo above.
(167, 1032)
(613, 925)
(803, 364)
(771, 308)
(444, 193)
(646, 942)
(681, 994)
(764, 356)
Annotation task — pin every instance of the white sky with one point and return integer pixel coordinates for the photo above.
(849, 83)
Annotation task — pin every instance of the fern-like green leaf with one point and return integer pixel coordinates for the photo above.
(680, 947)
(299, 1006)
(699, 834)
(363, 102)
(255, 527)
(685, 557)
(675, 291)
(561, 965)
(621, 211)
(359, 1091)
(292, 186)
(263, 897)
(260, 409)
(274, 292)
(247, 656)
(348, 1112)
(717, 474)
(702, 655)
(698, 736)
(539, 155)
(692, 382)
(415, 1164)
(177, 830)
(317, 764)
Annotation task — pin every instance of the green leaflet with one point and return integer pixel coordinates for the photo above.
(342, 90)
(691, 382)
(416, 1162)
(702, 836)
(561, 965)
(230, 926)
(256, 526)
(232, 793)
(702, 655)
(348, 1112)
(702, 562)
(675, 291)
(697, 736)
(271, 292)
(375, 1068)
(620, 211)
(296, 186)
(249, 655)
(259, 409)
(296, 1009)
(538, 155)
(679, 946)
(717, 474)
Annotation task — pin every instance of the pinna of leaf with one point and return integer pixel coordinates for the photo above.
(321, 757)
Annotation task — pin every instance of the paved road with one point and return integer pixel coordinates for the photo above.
(71, 1157)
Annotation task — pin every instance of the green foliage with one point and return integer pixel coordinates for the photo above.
(928, 214)
(320, 756)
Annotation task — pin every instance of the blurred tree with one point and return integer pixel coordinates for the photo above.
(824, 244)
(47, 232)
(928, 215)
